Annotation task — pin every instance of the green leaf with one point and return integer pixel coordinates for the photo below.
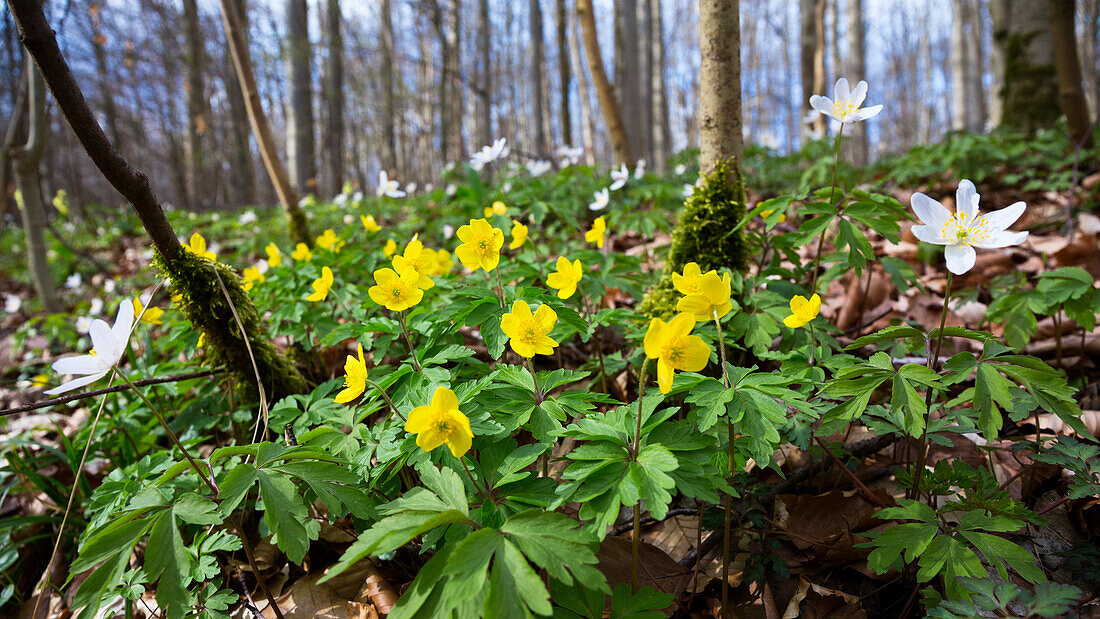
(555, 542)
(169, 564)
(951, 557)
(909, 539)
(645, 603)
(193, 509)
(287, 515)
(998, 551)
(468, 567)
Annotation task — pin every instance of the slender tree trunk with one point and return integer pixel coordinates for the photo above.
(974, 86)
(1028, 86)
(662, 131)
(857, 70)
(27, 160)
(813, 29)
(196, 106)
(538, 70)
(648, 52)
(106, 90)
(588, 121)
(242, 177)
(485, 91)
(563, 70)
(300, 152)
(1071, 92)
(242, 60)
(628, 73)
(616, 130)
(820, 43)
(389, 123)
(335, 142)
(720, 105)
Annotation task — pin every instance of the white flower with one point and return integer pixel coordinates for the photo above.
(215, 217)
(601, 202)
(109, 286)
(74, 281)
(477, 162)
(846, 106)
(262, 266)
(448, 231)
(96, 308)
(450, 189)
(639, 171)
(357, 196)
(965, 229)
(340, 200)
(680, 169)
(410, 188)
(348, 219)
(83, 323)
(387, 187)
(688, 190)
(12, 303)
(247, 217)
(488, 154)
(108, 346)
(570, 156)
(506, 187)
(619, 177)
(538, 168)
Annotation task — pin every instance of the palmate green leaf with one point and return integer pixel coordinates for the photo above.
(515, 589)
(761, 417)
(905, 400)
(909, 540)
(424, 598)
(334, 484)
(467, 568)
(169, 564)
(950, 558)
(648, 480)
(89, 596)
(645, 603)
(711, 399)
(286, 514)
(554, 542)
(999, 551)
(990, 392)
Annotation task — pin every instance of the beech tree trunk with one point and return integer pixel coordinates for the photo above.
(659, 122)
(300, 152)
(812, 63)
(721, 136)
(616, 130)
(588, 121)
(857, 70)
(628, 73)
(485, 91)
(1026, 89)
(563, 71)
(196, 107)
(538, 71)
(1071, 92)
(389, 124)
(335, 139)
(241, 174)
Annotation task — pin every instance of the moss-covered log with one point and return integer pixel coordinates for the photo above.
(706, 235)
(204, 303)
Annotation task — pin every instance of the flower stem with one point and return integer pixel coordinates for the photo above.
(813, 344)
(473, 481)
(636, 538)
(933, 360)
(721, 348)
(539, 395)
(729, 499)
(385, 397)
(596, 341)
(832, 196)
(408, 341)
(500, 288)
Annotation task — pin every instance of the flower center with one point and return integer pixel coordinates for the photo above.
(398, 293)
(843, 108)
(443, 426)
(674, 351)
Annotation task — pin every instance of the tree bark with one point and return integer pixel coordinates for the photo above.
(720, 103)
(485, 90)
(1071, 92)
(389, 123)
(588, 122)
(563, 71)
(99, 50)
(27, 160)
(538, 71)
(335, 141)
(196, 106)
(857, 70)
(628, 73)
(1024, 49)
(300, 151)
(616, 130)
(659, 121)
(243, 183)
(811, 15)
(242, 60)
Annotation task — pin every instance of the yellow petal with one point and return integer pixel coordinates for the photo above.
(655, 338)
(665, 375)
(545, 318)
(444, 400)
(697, 354)
(419, 419)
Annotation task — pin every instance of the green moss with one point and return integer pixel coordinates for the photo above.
(705, 235)
(203, 302)
(1030, 95)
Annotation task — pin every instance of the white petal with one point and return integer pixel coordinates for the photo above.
(1002, 239)
(81, 364)
(841, 92)
(929, 211)
(966, 199)
(383, 178)
(124, 324)
(860, 93)
(75, 383)
(823, 105)
(960, 258)
(103, 340)
(617, 184)
(1002, 219)
(865, 113)
(929, 234)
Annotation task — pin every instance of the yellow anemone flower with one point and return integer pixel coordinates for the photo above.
(355, 378)
(390, 248)
(712, 299)
(396, 291)
(498, 208)
(369, 223)
(301, 253)
(596, 234)
(197, 246)
(328, 240)
(803, 310)
(519, 235)
(767, 213)
(151, 315)
(321, 286)
(249, 277)
(443, 262)
(674, 348)
(688, 282)
(528, 334)
(274, 256)
(421, 260)
(481, 243)
(566, 278)
(441, 422)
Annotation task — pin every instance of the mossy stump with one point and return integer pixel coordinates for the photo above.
(706, 235)
(205, 305)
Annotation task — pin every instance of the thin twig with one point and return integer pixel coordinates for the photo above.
(113, 389)
(863, 488)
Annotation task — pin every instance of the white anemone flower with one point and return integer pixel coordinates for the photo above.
(845, 105)
(680, 169)
(602, 200)
(965, 229)
(74, 281)
(12, 303)
(688, 190)
(108, 346)
(97, 307)
(619, 177)
(538, 168)
(639, 171)
(388, 187)
(83, 324)
(247, 217)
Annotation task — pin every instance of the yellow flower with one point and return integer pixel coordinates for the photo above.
(519, 235)
(301, 253)
(675, 348)
(528, 333)
(197, 246)
(202, 340)
(330, 241)
(439, 423)
(390, 248)
(596, 234)
(688, 282)
(42, 379)
(151, 315)
(481, 243)
(803, 311)
(321, 286)
(274, 256)
(369, 223)
(421, 260)
(498, 208)
(355, 378)
(396, 291)
(249, 277)
(708, 294)
(767, 213)
(443, 262)
(567, 277)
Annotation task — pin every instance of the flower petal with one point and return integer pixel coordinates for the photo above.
(966, 199)
(655, 338)
(929, 211)
(859, 93)
(124, 323)
(697, 354)
(842, 92)
(865, 113)
(444, 400)
(822, 104)
(1003, 238)
(103, 340)
(545, 318)
(76, 383)
(996, 221)
(419, 419)
(960, 258)
(929, 234)
(82, 364)
(665, 375)
(681, 325)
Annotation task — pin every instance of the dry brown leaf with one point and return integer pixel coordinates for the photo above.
(880, 288)
(307, 599)
(657, 569)
(811, 601)
(675, 536)
(1053, 423)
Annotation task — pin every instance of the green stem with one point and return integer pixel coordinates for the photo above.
(473, 481)
(408, 341)
(813, 345)
(500, 288)
(596, 341)
(933, 360)
(539, 395)
(729, 500)
(385, 397)
(832, 196)
(635, 557)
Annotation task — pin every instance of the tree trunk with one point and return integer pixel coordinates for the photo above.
(242, 60)
(538, 70)
(628, 73)
(813, 29)
(335, 142)
(662, 131)
(485, 91)
(857, 70)
(974, 86)
(720, 103)
(27, 160)
(1071, 92)
(563, 71)
(197, 182)
(389, 123)
(1025, 73)
(243, 183)
(588, 122)
(616, 130)
(300, 152)
(99, 50)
